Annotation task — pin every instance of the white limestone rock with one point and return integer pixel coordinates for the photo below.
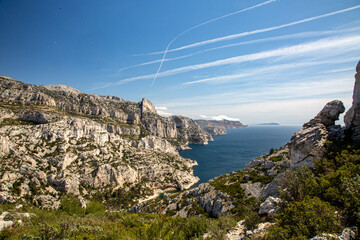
(270, 206)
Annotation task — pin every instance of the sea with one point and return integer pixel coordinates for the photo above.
(232, 151)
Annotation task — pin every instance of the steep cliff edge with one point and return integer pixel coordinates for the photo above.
(56, 140)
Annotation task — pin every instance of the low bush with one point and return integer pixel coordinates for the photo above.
(305, 219)
(71, 205)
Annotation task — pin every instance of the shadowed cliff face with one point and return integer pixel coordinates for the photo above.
(352, 117)
(56, 139)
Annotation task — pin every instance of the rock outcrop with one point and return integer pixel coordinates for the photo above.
(308, 144)
(187, 203)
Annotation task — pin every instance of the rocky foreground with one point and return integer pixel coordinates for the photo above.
(56, 140)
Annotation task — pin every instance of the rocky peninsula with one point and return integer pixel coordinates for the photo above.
(218, 127)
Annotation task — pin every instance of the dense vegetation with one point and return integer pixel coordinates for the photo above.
(73, 222)
(324, 199)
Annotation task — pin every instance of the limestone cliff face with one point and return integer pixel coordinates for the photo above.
(218, 127)
(178, 129)
(56, 139)
(189, 131)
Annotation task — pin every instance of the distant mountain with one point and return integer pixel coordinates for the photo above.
(215, 127)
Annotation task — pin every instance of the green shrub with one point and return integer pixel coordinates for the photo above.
(295, 185)
(5, 234)
(219, 227)
(272, 150)
(276, 158)
(252, 219)
(305, 219)
(71, 205)
(193, 227)
(95, 207)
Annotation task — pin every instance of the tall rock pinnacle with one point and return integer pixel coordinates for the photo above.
(352, 117)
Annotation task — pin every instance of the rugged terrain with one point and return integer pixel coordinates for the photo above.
(56, 140)
(273, 182)
(307, 189)
(230, 192)
(215, 127)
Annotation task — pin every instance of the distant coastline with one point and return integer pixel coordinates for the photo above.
(268, 124)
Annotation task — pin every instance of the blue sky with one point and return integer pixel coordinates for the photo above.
(256, 61)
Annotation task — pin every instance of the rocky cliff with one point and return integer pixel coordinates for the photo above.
(352, 117)
(260, 179)
(56, 139)
(218, 127)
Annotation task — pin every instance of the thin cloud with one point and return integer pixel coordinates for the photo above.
(202, 24)
(262, 40)
(153, 62)
(162, 111)
(160, 108)
(243, 34)
(343, 44)
(307, 88)
(275, 68)
(339, 70)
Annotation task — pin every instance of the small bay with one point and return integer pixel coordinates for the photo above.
(232, 151)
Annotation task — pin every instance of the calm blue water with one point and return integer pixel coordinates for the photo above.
(232, 151)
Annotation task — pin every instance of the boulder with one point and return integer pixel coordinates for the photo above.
(329, 114)
(270, 206)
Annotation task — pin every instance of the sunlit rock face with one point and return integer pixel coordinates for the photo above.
(308, 144)
(56, 139)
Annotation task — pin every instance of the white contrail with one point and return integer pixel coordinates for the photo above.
(202, 24)
(283, 37)
(336, 45)
(243, 34)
